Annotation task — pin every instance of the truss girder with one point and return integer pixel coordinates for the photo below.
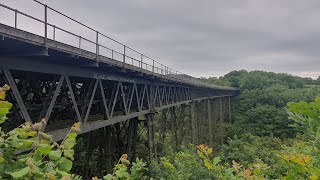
(94, 98)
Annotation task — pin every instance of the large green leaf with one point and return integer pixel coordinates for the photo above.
(216, 160)
(19, 174)
(72, 135)
(5, 104)
(44, 149)
(27, 144)
(108, 177)
(55, 155)
(68, 153)
(69, 143)
(16, 142)
(65, 165)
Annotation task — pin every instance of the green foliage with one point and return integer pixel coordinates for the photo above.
(259, 108)
(264, 143)
(44, 159)
(120, 172)
(306, 116)
(5, 106)
(201, 164)
(248, 148)
(180, 165)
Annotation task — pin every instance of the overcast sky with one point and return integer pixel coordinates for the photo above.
(203, 38)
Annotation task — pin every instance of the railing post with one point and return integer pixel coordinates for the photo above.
(15, 18)
(54, 32)
(161, 69)
(124, 55)
(97, 44)
(112, 53)
(153, 66)
(45, 24)
(141, 61)
(79, 42)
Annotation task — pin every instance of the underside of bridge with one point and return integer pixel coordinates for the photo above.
(114, 101)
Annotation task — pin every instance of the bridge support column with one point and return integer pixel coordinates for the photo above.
(210, 123)
(194, 123)
(174, 128)
(221, 118)
(203, 122)
(181, 124)
(132, 138)
(151, 136)
(198, 124)
(163, 124)
(107, 149)
(88, 154)
(229, 109)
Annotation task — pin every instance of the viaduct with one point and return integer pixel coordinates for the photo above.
(113, 93)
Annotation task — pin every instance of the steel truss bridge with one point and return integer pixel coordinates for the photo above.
(104, 89)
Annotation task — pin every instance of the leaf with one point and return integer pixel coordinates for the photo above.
(36, 126)
(208, 164)
(200, 154)
(313, 177)
(108, 177)
(216, 160)
(236, 166)
(66, 177)
(209, 151)
(5, 105)
(72, 135)
(4, 110)
(44, 149)
(27, 144)
(16, 142)
(2, 95)
(65, 165)
(122, 173)
(125, 162)
(45, 136)
(21, 173)
(77, 125)
(3, 91)
(55, 155)
(68, 153)
(50, 176)
(69, 143)
(62, 173)
(32, 133)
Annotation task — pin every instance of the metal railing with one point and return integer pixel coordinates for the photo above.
(144, 63)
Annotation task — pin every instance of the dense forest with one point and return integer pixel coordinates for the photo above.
(274, 134)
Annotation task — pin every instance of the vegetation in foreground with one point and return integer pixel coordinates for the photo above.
(253, 157)
(28, 153)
